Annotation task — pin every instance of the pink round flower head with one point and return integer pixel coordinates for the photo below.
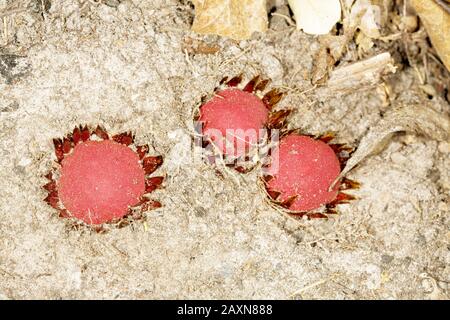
(240, 113)
(100, 180)
(305, 168)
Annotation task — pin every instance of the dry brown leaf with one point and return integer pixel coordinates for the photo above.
(322, 66)
(417, 118)
(437, 23)
(331, 50)
(236, 19)
(195, 46)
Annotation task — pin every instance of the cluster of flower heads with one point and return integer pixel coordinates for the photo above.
(300, 172)
(101, 180)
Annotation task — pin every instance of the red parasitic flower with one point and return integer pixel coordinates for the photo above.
(301, 172)
(100, 179)
(234, 119)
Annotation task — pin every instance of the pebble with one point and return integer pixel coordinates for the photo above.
(112, 3)
(24, 162)
(398, 158)
(444, 147)
(410, 23)
(385, 258)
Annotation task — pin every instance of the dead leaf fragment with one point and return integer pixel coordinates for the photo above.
(195, 46)
(418, 118)
(369, 16)
(437, 23)
(361, 74)
(316, 16)
(331, 50)
(236, 19)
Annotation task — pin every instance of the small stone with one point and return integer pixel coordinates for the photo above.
(24, 162)
(123, 7)
(428, 89)
(374, 277)
(444, 147)
(398, 158)
(444, 207)
(278, 22)
(409, 139)
(13, 106)
(3, 296)
(200, 211)
(13, 67)
(421, 239)
(410, 23)
(112, 3)
(107, 14)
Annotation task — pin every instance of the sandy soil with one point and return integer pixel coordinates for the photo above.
(124, 67)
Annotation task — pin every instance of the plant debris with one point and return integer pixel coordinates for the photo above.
(414, 117)
(361, 74)
(195, 46)
(437, 23)
(234, 19)
(316, 16)
(369, 16)
(13, 67)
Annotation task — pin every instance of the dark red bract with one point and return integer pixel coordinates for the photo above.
(237, 120)
(101, 179)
